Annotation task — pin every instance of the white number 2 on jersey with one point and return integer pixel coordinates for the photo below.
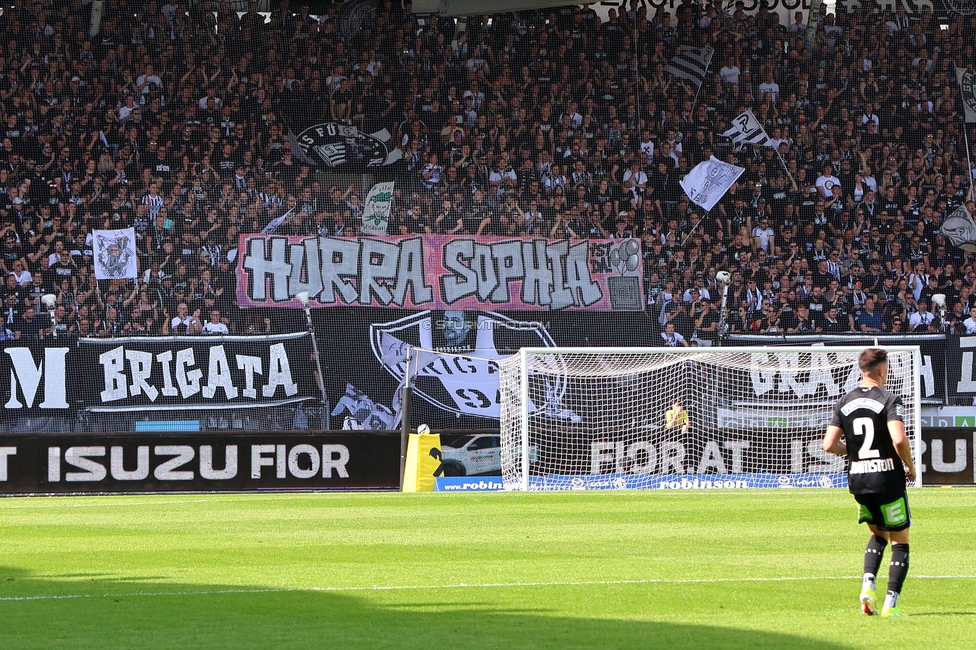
(865, 427)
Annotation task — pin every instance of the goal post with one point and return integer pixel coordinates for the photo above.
(598, 418)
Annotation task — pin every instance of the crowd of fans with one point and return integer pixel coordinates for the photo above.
(174, 120)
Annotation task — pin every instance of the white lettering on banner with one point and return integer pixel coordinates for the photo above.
(27, 376)
(938, 457)
(54, 464)
(765, 366)
(295, 465)
(78, 457)
(251, 366)
(335, 457)
(117, 464)
(801, 452)
(966, 382)
(641, 457)
(697, 484)
(711, 458)
(5, 453)
(188, 381)
(182, 455)
(280, 461)
(259, 459)
(279, 373)
(165, 358)
(129, 373)
(218, 375)
(174, 462)
(207, 470)
(397, 273)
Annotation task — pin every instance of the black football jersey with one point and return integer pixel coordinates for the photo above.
(873, 464)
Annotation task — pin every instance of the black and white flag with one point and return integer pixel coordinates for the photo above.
(691, 63)
(967, 87)
(333, 145)
(708, 182)
(746, 130)
(960, 229)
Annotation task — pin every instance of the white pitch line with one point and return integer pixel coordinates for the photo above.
(491, 585)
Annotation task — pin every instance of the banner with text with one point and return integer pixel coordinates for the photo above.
(441, 272)
(960, 360)
(195, 372)
(79, 462)
(935, 362)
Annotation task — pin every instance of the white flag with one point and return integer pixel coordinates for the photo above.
(275, 223)
(709, 181)
(746, 130)
(115, 254)
(967, 86)
(376, 212)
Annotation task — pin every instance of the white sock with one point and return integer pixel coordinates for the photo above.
(868, 581)
(891, 600)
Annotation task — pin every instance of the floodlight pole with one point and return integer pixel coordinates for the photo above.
(327, 414)
(723, 324)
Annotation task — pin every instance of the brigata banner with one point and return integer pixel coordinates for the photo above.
(186, 372)
(441, 272)
(79, 462)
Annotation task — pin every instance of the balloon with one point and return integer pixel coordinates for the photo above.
(631, 247)
(633, 262)
(614, 257)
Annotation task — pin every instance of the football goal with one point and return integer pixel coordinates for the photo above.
(666, 418)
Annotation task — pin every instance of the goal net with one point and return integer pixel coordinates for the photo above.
(687, 418)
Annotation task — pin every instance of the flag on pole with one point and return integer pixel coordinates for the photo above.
(709, 181)
(967, 86)
(746, 130)
(960, 229)
(275, 223)
(376, 212)
(691, 63)
(115, 254)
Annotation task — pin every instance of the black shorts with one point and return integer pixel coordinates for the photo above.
(887, 511)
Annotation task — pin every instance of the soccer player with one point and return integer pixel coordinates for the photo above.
(676, 417)
(871, 420)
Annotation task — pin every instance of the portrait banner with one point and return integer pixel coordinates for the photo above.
(115, 254)
(376, 212)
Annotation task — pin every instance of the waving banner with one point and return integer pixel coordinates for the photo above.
(960, 229)
(333, 145)
(746, 130)
(967, 87)
(709, 181)
(441, 272)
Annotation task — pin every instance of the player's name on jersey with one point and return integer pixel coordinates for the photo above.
(862, 403)
(872, 466)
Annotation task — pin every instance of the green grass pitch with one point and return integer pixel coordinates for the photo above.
(751, 569)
